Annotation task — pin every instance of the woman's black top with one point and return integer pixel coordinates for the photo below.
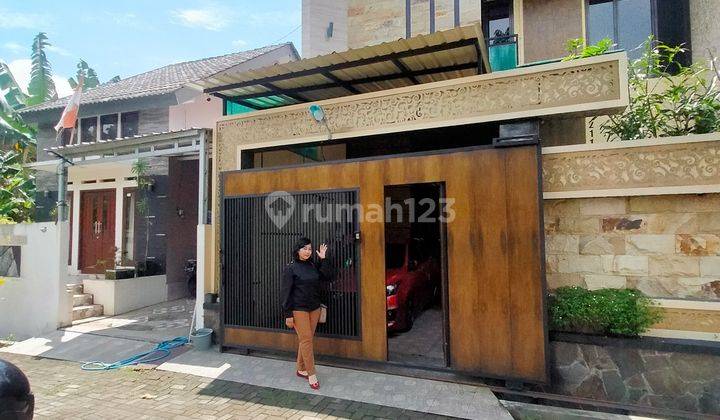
(301, 285)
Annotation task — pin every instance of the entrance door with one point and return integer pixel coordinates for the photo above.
(97, 231)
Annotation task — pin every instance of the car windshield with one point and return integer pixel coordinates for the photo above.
(394, 256)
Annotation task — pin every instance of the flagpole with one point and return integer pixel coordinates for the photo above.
(62, 171)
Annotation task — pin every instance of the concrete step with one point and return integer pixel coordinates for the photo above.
(86, 311)
(76, 289)
(82, 299)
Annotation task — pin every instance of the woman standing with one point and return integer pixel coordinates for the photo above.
(300, 296)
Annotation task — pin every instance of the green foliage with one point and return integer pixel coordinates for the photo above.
(577, 48)
(667, 98)
(90, 77)
(622, 312)
(17, 184)
(17, 188)
(41, 87)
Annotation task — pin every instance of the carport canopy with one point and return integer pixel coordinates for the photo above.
(444, 55)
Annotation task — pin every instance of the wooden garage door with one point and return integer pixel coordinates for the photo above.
(495, 277)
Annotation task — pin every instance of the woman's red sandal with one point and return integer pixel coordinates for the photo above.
(297, 372)
(315, 386)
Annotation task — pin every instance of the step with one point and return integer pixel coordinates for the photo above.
(86, 311)
(76, 289)
(82, 299)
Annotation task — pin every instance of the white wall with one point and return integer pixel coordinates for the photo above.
(121, 296)
(36, 302)
(107, 176)
(200, 112)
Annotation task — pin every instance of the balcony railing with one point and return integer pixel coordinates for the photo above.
(503, 52)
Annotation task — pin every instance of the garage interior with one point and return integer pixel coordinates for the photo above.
(415, 270)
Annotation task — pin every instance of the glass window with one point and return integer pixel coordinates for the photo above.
(627, 22)
(601, 21)
(130, 124)
(634, 25)
(88, 130)
(108, 126)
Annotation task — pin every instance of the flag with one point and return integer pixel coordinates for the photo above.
(70, 113)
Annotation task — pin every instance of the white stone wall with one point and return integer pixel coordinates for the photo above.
(36, 302)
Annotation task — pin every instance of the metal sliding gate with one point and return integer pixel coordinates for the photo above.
(258, 234)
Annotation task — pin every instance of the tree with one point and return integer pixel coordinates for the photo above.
(90, 77)
(17, 186)
(41, 87)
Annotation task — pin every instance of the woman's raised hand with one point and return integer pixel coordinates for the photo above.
(321, 252)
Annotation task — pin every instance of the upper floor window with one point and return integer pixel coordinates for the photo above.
(496, 18)
(130, 124)
(629, 23)
(108, 126)
(88, 129)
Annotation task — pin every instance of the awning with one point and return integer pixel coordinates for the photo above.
(444, 55)
(168, 143)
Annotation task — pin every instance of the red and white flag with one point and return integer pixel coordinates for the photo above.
(70, 113)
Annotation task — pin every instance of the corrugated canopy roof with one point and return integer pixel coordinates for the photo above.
(444, 55)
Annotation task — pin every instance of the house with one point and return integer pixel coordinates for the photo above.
(155, 117)
(409, 100)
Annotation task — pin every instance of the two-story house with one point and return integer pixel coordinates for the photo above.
(155, 117)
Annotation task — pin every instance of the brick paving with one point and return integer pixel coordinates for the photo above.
(63, 391)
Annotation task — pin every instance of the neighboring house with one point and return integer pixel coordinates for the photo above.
(154, 116)
(9, 88)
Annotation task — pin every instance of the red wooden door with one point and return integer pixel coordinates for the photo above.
(97, 231)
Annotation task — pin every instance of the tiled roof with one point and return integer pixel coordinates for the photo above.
(159, 81)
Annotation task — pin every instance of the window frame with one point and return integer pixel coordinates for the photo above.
(616, 32)
(77, 137)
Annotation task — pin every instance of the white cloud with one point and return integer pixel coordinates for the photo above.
(290, 19)
(239, 43)
(15, 20)
(211, 18)
(62, 86)
(21, 71)
(59, 50)
(15, 47)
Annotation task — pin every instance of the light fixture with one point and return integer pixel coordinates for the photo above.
(317, 113)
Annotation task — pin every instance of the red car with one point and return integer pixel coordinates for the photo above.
(412, 282)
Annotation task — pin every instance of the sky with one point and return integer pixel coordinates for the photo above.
(128, 37)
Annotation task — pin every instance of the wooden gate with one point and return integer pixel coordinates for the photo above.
(494, 246)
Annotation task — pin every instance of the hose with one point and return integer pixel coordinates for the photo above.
(163, 350)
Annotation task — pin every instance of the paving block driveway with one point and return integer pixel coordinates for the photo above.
(63, 391)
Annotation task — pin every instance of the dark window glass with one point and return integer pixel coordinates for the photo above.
(88, 130)
(108, 126)
(496, 18)
(130, 124)
(634, 25)
(66, 137)
(601, 21)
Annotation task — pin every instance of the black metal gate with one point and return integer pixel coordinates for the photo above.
(258, 235)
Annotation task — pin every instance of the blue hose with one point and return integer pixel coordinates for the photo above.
(162, 350)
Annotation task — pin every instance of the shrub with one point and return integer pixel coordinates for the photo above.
(666, 98)
(620, 312)
(577, 48)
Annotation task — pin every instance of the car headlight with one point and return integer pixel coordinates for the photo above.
(391, 289)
